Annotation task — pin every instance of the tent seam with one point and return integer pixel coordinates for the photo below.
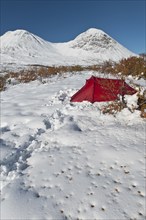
(93, 91)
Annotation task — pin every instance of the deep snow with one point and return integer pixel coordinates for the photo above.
(62, 160)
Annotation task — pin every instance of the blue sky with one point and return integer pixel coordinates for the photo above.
(63, 20)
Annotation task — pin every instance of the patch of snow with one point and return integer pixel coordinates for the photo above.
(131, 101)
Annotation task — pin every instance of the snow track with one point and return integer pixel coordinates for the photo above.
(61, 160)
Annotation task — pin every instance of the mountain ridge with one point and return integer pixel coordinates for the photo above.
(93, 46)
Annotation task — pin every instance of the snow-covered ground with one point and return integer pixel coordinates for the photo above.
(62, 160)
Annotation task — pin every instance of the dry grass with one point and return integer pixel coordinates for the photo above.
(135, 66)
(116, 106)
(36, 72)
(132, 66)
(113, 108)
(142, 104)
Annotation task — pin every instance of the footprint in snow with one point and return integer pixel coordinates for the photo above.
(47, 124)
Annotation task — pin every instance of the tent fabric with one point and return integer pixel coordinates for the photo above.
(102, 89)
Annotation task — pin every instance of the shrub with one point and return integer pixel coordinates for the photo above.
(142, 103)
(2, 83)
(107, 67)
(132, 66)
(113, 107)
(136, 103)
(135, 66)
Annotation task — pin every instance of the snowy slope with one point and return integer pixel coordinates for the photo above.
(90, 47)
(95, 46)
(62, 160)
(22, 47)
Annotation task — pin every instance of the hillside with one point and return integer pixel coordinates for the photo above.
(94, 46)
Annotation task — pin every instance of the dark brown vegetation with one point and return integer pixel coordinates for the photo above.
(35, 72)
(113, 108)
(142, 104)
(135, 66)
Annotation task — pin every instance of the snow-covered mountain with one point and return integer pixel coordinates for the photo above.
(21, 40)
(21, 46)
(91, 47)
(94, 46)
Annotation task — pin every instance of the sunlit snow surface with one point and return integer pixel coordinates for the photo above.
(62, 160)
(93, 46)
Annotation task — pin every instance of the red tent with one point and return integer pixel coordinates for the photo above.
(101, 89)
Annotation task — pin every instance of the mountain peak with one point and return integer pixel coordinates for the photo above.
(18, 32)
(94, 31)
(91, 33)
(22, 41)
(12, 38)
(92, 39)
